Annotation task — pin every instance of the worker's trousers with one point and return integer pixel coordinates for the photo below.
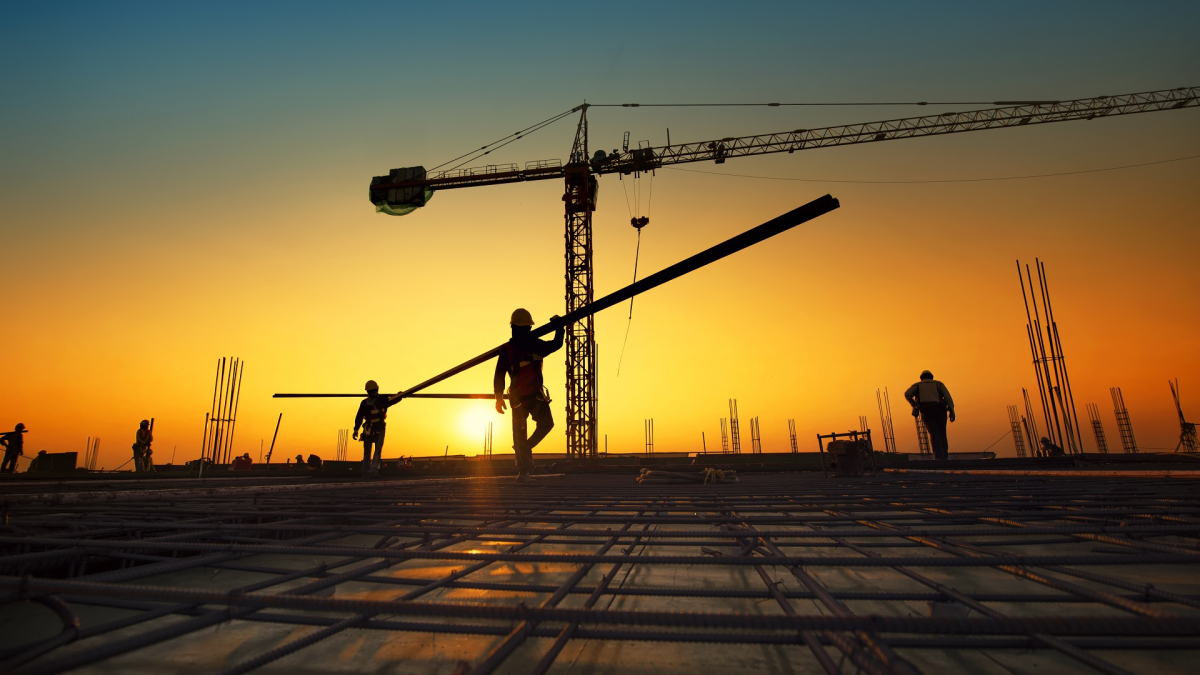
(524, 407)
(138, 467)
(375, 438)
(10, 462)
(934, 417)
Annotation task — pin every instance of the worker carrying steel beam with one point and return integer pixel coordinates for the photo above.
(521, 359)
(141, 448)
(372, 417)
(931, 400)
(14, 447)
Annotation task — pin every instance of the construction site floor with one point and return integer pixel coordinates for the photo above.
(598, 573)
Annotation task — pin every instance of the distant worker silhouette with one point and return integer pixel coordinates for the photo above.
(14, 447)
(372, 417)
(931, 400)
(1049, 449)
(141, 448)
(521, 359)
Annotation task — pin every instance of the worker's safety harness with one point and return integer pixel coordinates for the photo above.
(525, 372)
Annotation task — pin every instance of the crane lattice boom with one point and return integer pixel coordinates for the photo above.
(646, 159)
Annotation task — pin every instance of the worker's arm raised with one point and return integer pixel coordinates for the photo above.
(547, 347)
(498, 379)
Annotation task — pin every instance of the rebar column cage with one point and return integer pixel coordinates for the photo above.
(1124, 426)
(923, 437)
(735, 436)
(1066, 571)
(1014, 425)
(221, 423)
(1093, 412)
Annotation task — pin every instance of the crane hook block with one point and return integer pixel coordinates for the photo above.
(401, 191)
(639, 223)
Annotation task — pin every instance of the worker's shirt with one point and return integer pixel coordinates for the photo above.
(143, 438)
(929, 392)
(13, 442)
(372, 413)
(521, 359)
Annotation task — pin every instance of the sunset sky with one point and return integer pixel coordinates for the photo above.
(181, 182)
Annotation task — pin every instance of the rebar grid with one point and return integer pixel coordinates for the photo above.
(876, 575)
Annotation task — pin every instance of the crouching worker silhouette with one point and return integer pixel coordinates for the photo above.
(521, 359)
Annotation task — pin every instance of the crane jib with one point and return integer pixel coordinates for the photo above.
(635, 160)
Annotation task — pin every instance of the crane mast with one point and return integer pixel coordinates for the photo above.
(579, 198)
(406, 189)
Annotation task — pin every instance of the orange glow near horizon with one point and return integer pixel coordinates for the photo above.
(174, 196)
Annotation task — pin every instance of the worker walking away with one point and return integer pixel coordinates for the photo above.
(14, 447)
(931, 400)
(521, 359)
(141, 447)
(372, 417)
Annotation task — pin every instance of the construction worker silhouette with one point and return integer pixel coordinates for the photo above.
(14, 447)
(521, 359)
(931, 400)
(1049, 449)
(372, 417)
(141, 448)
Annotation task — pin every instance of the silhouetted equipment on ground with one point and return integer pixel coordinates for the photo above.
(1049, 364)
(53, 462)
(222, 419)
(1124, 426)
(847, 457)
(787, 221)
(1187, 430)
(404, 190)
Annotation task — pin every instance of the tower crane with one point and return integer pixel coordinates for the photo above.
(406, 189)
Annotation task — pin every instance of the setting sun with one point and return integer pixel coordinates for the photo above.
(472, 424)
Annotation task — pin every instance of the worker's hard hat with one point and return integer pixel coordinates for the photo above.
(19, 426)
(145, 423)
(371, 386)
(521, 317)
(926, 375)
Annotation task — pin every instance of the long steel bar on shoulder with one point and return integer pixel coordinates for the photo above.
(452, 396)
(815, 208)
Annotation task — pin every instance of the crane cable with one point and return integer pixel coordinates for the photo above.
(500, 143)
(636, 254)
